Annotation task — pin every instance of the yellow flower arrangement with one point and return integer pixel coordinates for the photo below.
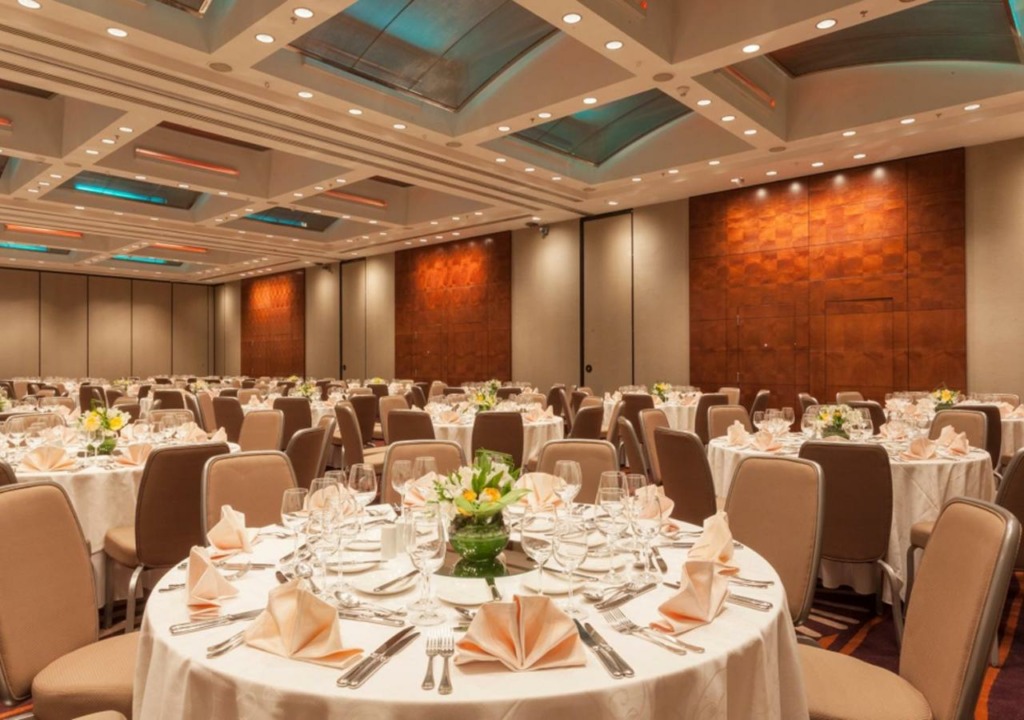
(943, 397)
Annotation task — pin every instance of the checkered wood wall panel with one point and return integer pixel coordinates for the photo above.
(274, 325)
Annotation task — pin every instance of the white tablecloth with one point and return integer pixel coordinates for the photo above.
(920, 489)
(535, 434)
(749, 671)
(1013, 436)
(680, 417)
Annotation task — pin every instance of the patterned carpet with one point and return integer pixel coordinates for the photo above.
(848, 624)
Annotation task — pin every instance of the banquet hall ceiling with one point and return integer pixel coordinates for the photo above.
(206, 140)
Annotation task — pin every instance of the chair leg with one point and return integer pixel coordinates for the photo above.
(108, 592)
(133, 586)
(993, 658)
(889, 575)
(910, 571)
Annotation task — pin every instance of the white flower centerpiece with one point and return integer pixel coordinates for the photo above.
(105, 421)
(835, 420)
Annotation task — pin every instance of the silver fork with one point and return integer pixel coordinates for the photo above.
(241, 572)
(623, 624)
(226, 646)
(433, 650)
(447, 641)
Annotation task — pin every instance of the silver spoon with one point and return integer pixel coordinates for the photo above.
(349, 601)
(599, 594)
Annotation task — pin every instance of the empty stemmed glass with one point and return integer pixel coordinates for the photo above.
(788, 416)
(400, 473)
(809, 424)
(322, 507)
(294, 515)
(426, 544)
(423, 465)
(536, 533)
(572, 480)
(611, 521)
(643, 508)
(570, 550)
(758, 419)
(362, 483)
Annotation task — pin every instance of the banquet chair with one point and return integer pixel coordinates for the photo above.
(284, 388)
(180, 416)
(261, 430)
(365, 407)
(352, 392)
(162, 380)
(1010, 398)
(103, 715)
(556, 401)
(7, 389)
(760, 402)
(112, 396)
(721, 418)
(324, 386)
(632, 404)
(170, 399)
(874, 410)
(298, 415)
(576, 401)
(685, 475)
(775, 506)
(971, 422)
(446, 453)
(993, 431)
(245, 395)
(379, 390)
(806, 402)
(858, 509)
(419, 398)
(650, 420)
(612, 431)
(499, 432)
(88, 394)
(7, 476)
(731, 393)
(537, 399)
(451, 390)
(168, 521)
(700, 417)
(587, 424)
(144, 391)
(248, 384)
(353, 450)
(205, 400)
(631, 444)
(252, 483)
(306, 452)
(594, 456)
(133, 409)
(50, 651)
(436, 389)
(506, 393)
(951, 622)
(329, 425)
(387, 405)
(409, 425)
(228, 414)
(192, 403)
(23, 421)
(845, 397)
(231, 392)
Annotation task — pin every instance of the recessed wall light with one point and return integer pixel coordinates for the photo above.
(264, 38)
(304, 13)
(908, 121)
(704, 102)
(117, 32)
(751, 131)
(751, 48)
(503, 128)
(55, 176)
(772, 173)
(826, 24)
(108, 141)
(399, 126)
(355, 111)
(571, 18)
(712, 163)
(183, 186)
(544, 115)
(819, 163)
(30, 4)
(305, 94)
(589, 100)
(613, 45)
(849, 133)
(860, 156)
(972, 107)
(728, 118)
(297, 194)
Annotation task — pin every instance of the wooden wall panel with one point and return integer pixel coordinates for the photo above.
(152, 328)
(190, 329)
(274, 325)
(846, 280)
(110, 327)
(19, 307)
(63, 325)
(453, 311)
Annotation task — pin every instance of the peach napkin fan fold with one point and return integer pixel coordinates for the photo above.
(205, 587)
(529, 633)
(230, 533)
(765, 441)
(135, 455)
(1005, 409)
(947, 436)
(890, 432)
(421, 491)
(736, 434)
(450, 416)
(536, 414)
(666, 504)
(543, 489)
(920, 449)
(1017, 412)
(46, 458)
(298, 625)
(220, 435)
(959, 445)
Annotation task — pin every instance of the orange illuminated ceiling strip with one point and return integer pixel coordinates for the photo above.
(185, 162)
(28, 230)
(357, 199)
(179, 248)
(6, 122)
(750, 85)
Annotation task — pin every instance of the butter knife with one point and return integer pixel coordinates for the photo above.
(607, 660)
(627, 671)
(623, 597)
(370, 618)
(182, 628)
(344, 680)
(377, 661)
(662, 565)
(495, 593)
(392, 583)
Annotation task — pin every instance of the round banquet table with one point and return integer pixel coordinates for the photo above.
(317, 409)
(680, 416)
(1013, 436)
(535, 434)
(920, 489)
(750, 669)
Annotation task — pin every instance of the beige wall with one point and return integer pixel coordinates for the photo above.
(380, 315)
(323, 321)
(995, 261)
(228, 332)
(190, 329)
(63, 325)
(19, 301)
(151, 328)
(353, 319)
(110, 327)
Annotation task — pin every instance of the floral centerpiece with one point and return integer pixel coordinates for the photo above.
(122, 384)
(4, 401)
(661, 390)
(484, 399)
(377, 381)
(199, 385)
(945, 398)
(835, 420)
(104, 420)
(307, 389)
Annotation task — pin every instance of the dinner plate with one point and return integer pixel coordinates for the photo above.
(554, 583)
(366, 582)
(465, 592)
(352, 567)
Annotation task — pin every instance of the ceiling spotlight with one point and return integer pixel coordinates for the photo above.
(673, 171)
(183, 186)
(571, 18)
(751, 48)
(860, 156)
(56, 177)
(33, 190)
(751, 131)
(908, 121)
(535, 218)
(638, 179)
(589, 100)
(712, 163)
(544, 115)
(613, 45)
(849, 133)
(355, 111)
(818, 163)
(455, 234)
(500, 160)
(223, 192)
(108, 141)
(127, 130)
(529, 169)
(478, 213)
(117, 32)
(972, 107)
(772, 173)
(264, 38)
(305, 94)
(297, 194)
(503, 128)
(728, 118)
(399, 126)
(92, 152)
(556, 178)
(826, 24)
(304, 13)
(613, 202)
(79, 207)
(30, 4)
(704, 102)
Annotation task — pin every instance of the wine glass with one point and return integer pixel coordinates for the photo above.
(423, 465)
(570, 550)
(346, 528)
(572, 480)
(400, 474)
(611, 521)
(867, 425)
(809, 424)
(140, 431)
(536, 532)
(758, 419)
(362, 483)
(426, 544)
(645, 517)
(294, 515)
(788, 416)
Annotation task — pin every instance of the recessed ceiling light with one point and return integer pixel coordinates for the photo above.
(456, 217)
(305, 94)
(340, 180)
(500, 160)
(728, 118)
(704, 102)
(751, 48)
(318, 212)
(908, 121)
(673, 171)
(772, 173)
(108, 141)
(223, 192)
(92, 152)
(125, 129)
(556, 178)
(589, 100)
(319, 187)
(455, 234)
(79, 207)
(399, 126)
(849, 133)
(751, 131)
(613, 202)
(571, 18)
(423, 240)
(433, 222)
(536, 218)
(117, 32)
(529, 169)
(972, 107)
(304, 13)
(478, 213)
(638, 179)
(296, 194)
(860, 156)
(56, 177)
(826, 24)
(712, 163)
(44, 184)
(544, 115)
(30, 4)
(613, 45)
(372, 222)
(355, 111)
(503, 128)
(818, 163)
(33, 190)
(264, 38)
(118, 213)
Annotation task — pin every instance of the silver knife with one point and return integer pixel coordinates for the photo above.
(303, 548)
(344, 680)
(612, 652)
(377, 661)
(495, 593)
(182, 628)
(662, 565)
(624, 597)
(392, 583)
(607, 660)
(369, 618)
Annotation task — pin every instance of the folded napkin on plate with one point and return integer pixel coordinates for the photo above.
(135, 454)
(892, 432)
(947, 436)
(715, 543)
(230, 532)
(664, 502)
(59, 434)
(219, 435)
(920, 449)
(299, 625)
(205, 587)
(45, 459)
(690, 399)
(736, 434)
(535, 414)
(959, 445)
(543, 489)
(421, 491)
(192, 433)
(765, 441)
(529, 633)
(1005, 409)
(703, 590)
(1017, 412)
(450, 416)
(63, 411)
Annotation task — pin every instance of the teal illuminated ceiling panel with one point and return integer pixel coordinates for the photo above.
(293, 219)
(93, 183)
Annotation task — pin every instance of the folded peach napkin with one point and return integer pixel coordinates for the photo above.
(959, 444)
(1005, 409)
(947, 436)
(205, 587)
(299, 625)
(715, 543)
(736, 434)
(543, 489)
(920, 449)
(135, 455)
(1017, 412)
(254, 401)
(230, 532)
(536, 414)
(421, 491)
(529, 633)
(765, 441)
(702, 594)
(691, 399)
(219, 435)
(664, 502)
(892, 432)
(332, 494)
(46, 459)
(192, 433)
(450, 416)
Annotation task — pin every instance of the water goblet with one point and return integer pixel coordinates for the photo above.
(400, 473)
(570, 550)
(294, 515)
(536, 533)
(572, 480)
(611, 521)
(426, 544)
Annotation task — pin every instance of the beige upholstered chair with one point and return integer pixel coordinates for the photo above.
(971, 422)
(7, 476)
(329, 425)
(168, 521)
(951, 621)
(631, 444)
(245, 395)
(180, 416)
(806, 401)
(1011, 398)
(447, 454)
(209, 415)
(650, 420)
(352, 439)
(261, 430)
(365, 407)
(685, 475)
(700, 417)
(419, 396)
(306, 452)
(133, 409)
(845, 397)
(49, 647)
(874, 410)
(67, 402)
(23, 421)
(721, 418)
(387, 405)
(612, 431)
(105, 715)
(775, 506)
(229, 415)
(506, 393)
(576, 401)
(170, 399)
(632, 404)
(436, 389)
(88, 394)
(594, 457)
(557, 400)
(499, 432)
(298, 415)
(250, 482)
(353, 392)
(587, 423)
(731, 393)
(760, 401)
(993, 431)
(406, 425)
(536, 399)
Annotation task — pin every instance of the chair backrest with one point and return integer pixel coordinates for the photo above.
(261, 430)
(205, 400)
(650, 420)
(1011, 398)
(47, 593)
(446, 453)
(500, 432)
(23, 422)
(732, 393)
(245, 395)
(775, 507)
(587, 423)
(88, 394)
(7, 475)
(112, 396)
(685, 474)
(250, 482)
(133, 409)
(721, 418)
(504, 393)
(453, 390)
(329, 425)
(170, 399)
(594, 457)
(419, 398)
(66, 402)
(874, 410)
(406, 425)
(1011, 493)
(576, 400)
(700, 418)
(806, 401)
(351, 436)
(388, 404)
(632, 404)
(556, 401)
(8, 388)
(845, 397)
(537, 399)
(180, 416)
(298, 415)
(971, 422)
(858, 499)
(306, 451)
(612, 431)
(168, 513)
(352, 392)
(231, 392)
(993, 431)
(955, 608)
(760, 402)
(365, 407)
(379, 390)
(229, 415)
(436, 388)
(634, 453)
